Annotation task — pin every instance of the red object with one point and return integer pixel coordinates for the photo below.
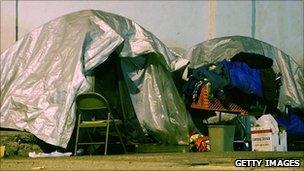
(261, 131)
(216, 104)
(201, 144)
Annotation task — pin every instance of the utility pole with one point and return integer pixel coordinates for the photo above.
(16, 21)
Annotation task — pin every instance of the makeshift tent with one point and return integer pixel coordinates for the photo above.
(42, 73)
(218, 49)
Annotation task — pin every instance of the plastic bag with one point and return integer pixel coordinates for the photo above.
(52, 154)
(268, 121)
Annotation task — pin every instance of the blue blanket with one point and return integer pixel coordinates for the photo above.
(247, 79)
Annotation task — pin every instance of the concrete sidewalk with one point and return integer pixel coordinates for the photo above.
(18, 144)
(151, 161)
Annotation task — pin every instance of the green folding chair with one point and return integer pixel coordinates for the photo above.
(94, 112)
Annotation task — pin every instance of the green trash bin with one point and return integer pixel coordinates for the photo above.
(221, 137)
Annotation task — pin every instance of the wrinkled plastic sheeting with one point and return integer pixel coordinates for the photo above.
(292, 89)
(43, 72)
(159, 108)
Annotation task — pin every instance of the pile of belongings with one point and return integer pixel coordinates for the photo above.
(199, 142)
(245, 73)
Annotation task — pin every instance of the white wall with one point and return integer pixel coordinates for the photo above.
(280, 23)
(233, 18)
(7, 24)
(177, 23)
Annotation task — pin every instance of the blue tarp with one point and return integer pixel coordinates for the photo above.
(292, 122)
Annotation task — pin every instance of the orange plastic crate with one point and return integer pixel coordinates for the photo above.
(216, 104)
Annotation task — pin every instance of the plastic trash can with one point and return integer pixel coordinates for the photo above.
(221, 137)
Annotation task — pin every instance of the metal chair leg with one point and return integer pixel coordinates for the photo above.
(77, 135)
(107, 134)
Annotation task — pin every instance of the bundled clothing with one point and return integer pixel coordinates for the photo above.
(245, 73)
(216, 74)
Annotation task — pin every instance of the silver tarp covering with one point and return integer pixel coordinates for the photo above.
(292, 89)
(42, 73)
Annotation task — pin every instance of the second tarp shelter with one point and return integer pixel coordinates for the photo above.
(42, 73)
(218, 49)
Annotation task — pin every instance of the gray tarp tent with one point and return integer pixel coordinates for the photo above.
(292, 89)
(42, 73)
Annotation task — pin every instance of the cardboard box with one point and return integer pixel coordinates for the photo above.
(263, 139)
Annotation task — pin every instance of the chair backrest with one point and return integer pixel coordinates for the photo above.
(91, 101)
